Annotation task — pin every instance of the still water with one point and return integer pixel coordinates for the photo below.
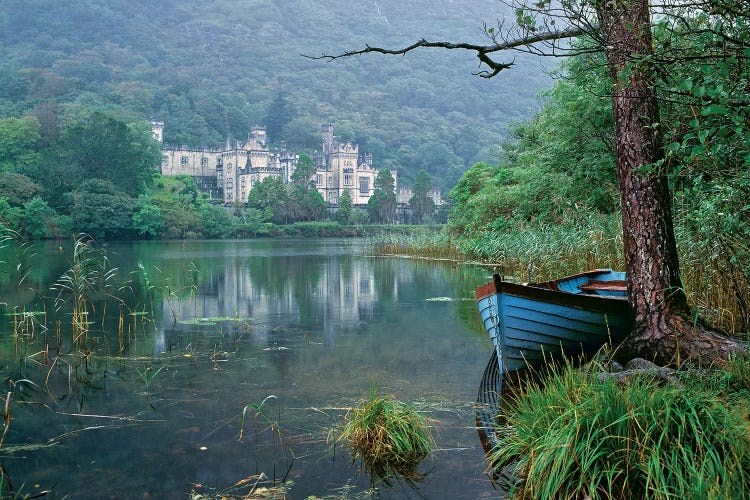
(240, 363)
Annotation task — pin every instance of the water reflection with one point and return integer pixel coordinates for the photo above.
(314, 323)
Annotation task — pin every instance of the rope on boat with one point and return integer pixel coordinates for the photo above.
(488, 402)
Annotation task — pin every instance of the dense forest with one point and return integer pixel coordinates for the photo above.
(213, 69)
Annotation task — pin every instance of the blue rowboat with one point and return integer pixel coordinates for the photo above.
(533, 324)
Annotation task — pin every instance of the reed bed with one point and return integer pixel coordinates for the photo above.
(434, 244)
(390, 437)
(577, 435)
(715, 273)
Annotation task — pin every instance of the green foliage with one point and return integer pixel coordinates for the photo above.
(100, 210)
(305, 202)
(180, 222)
(577, 435)
(421, 204)
(98, 146)
(738, 367)
(344, 211)
(17, 188)
(19, 138)
(390, 437)
(251, 222)
(36, 219)
(304, 172)
(270, 197)
(216, 221)
(382, 204)
(147, 218)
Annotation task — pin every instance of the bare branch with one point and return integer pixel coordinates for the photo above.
(482, 51)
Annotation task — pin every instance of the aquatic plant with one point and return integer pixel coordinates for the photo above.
(576, 435)
(148, 375)
(390, 437)
(89, 275)
(276, 435)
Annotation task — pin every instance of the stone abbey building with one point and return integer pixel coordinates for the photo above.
(229, 173)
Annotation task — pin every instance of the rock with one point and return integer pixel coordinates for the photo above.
(641, 364)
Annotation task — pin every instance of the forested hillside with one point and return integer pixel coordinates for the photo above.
(212, 69)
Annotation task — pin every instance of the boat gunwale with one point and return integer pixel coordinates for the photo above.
(536, 292)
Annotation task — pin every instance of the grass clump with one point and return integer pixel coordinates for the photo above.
(390, 437)
(578, 435)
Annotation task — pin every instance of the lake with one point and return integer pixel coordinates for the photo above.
(202, 365)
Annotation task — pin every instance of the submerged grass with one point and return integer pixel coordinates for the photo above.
(390, 437)
(576, 435)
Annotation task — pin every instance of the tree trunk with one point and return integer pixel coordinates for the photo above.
(664, 329)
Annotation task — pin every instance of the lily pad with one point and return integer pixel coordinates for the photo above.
(26, 314)
(225, 318)
(198, 321)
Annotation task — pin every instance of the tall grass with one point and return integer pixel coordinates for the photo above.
(576, 435)
(547, 251)
(435, 244)
(715, 274)
(390, 437)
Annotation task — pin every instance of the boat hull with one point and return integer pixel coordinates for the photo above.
(533, 324)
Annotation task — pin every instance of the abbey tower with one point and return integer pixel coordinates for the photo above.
(229, 173)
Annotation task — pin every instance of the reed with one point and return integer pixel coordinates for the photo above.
(424, 244)
(576, 435)
(390, 437)
(738, 370)
(89, 275)
(715, 271)
(277, 436)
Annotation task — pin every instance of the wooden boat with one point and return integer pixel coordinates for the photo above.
(537, 323)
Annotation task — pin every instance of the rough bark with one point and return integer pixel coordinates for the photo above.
(665, 331)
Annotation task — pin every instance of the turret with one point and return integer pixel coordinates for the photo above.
(327, 132)
(157, 131)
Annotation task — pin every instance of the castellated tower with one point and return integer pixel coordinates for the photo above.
(327, 132)
(157, 131)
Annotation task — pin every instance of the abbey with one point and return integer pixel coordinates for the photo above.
(229, 173)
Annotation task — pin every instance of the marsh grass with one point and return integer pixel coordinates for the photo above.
(576, 435)
(738, 370)
(432, 244)
(390, 437)
(715, 274)
(280, 443)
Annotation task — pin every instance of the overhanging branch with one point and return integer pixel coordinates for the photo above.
(482, 51)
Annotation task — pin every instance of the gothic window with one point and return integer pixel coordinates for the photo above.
(319, 180)
(204, 162)
(364, 185)
(184, 161)
(348, 181)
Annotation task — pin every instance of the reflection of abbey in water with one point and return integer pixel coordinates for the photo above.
(342, 297)
(231, 172)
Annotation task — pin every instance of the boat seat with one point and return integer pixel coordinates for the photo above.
(595, 286)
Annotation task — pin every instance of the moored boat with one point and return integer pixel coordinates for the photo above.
(537, 323)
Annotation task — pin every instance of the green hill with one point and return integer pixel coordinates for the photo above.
(213, 69)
